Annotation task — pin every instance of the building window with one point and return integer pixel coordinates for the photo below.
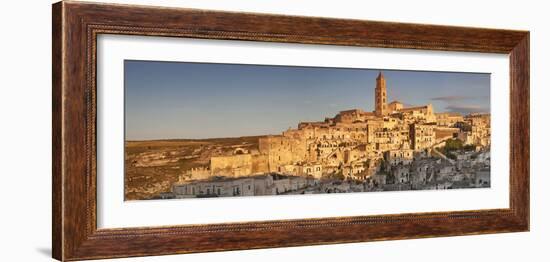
(219, 191)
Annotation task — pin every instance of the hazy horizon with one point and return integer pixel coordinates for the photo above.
(181, 100)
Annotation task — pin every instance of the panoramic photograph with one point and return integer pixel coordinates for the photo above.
(208, 130)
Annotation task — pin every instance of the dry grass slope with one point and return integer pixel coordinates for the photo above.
(152, 166)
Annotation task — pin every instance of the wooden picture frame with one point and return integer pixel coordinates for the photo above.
(76, 26)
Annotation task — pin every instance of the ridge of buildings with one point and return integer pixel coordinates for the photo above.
(353, 143)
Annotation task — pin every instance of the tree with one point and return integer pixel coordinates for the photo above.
(453, 144)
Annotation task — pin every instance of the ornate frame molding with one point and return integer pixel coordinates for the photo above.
(76, 26)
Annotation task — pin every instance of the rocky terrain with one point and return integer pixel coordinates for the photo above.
(151, 167)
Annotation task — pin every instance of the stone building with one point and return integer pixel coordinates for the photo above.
(395, 107)
(215, 187)
(448, 119)
(272, 184)
(401, 156)
(197, 173)
(352, 143)
(483, 178)
(475, 129)
(401, 173)
(311, 169)
(422, 136)
(419, 114)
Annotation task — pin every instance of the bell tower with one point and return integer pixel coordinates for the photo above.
(380, 96)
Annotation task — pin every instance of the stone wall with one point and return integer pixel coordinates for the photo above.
(231, 166)
(283, 150)
(259, 164)
(239, 165)
(198, 173)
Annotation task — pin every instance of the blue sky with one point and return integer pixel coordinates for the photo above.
(167, 100)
